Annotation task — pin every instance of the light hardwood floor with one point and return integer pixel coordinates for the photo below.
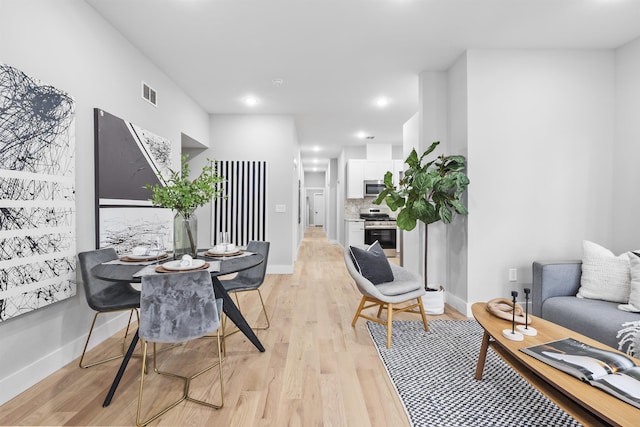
(317, 369)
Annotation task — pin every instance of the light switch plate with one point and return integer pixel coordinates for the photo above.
(281, 208)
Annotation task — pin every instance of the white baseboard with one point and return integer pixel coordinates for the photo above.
(19, 381)
(459, 304)
(280, 269)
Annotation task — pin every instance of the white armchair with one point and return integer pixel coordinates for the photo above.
(404, 288)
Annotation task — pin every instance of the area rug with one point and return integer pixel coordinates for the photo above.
(433, 375)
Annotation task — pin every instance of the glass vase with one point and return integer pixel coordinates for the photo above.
(185, 236)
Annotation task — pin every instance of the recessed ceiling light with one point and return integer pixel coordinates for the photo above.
(251, 101)
(315, 160)
(382, 101)
(316, 148)
(361, 135)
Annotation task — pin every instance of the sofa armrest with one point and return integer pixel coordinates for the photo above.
(552, 279)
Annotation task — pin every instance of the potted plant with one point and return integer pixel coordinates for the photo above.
(183, 196)
(428, 192)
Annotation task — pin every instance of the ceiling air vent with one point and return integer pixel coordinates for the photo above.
(149, 94)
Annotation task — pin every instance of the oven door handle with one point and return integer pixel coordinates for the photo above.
(379, 227)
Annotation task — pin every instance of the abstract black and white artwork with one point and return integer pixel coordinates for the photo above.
(127, 158)
(37, 194)
(243, 212)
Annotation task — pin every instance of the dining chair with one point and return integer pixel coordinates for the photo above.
(404, 287)
(176, 308)
(251, 279)
(105, 296)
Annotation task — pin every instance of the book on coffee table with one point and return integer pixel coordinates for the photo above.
(612, 372)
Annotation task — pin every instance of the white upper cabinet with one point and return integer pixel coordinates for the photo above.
(398, 168)
(375, 169)
(355, 178)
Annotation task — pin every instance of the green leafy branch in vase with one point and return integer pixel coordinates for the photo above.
(183, 195)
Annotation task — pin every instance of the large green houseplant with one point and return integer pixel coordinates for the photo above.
(183, 196)
(428, 192)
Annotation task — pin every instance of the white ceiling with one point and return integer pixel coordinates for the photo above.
(337, 56)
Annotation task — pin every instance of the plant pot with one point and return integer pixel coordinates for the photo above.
(185, 236)
(433, 301)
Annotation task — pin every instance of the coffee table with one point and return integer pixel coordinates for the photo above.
(587, 404)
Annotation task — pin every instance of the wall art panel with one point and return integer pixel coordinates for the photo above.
(127, 158)
(243, 213)
(37, 194)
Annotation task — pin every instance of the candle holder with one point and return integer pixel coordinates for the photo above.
(526, 329)
(512, 334)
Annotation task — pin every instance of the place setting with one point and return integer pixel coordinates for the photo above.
(185, 264)
(225, 249)
(144, 254)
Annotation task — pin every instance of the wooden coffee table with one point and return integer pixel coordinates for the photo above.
(587, 404)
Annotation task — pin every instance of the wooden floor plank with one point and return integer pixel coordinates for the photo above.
(317, 369)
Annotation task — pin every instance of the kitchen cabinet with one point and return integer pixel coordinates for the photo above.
(398, 167)
(354, 232)
(376, 169)
(355, 178)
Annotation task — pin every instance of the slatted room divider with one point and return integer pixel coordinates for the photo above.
(243, 213)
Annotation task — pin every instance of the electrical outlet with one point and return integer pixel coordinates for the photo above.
(513, 274)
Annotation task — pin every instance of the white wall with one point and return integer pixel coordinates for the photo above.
(255, 137)
(411, 251)
(626, 173)
(433, 127)
(457, 242)
(66, 44)
(314, 179)
(540, 132)
(332, 201)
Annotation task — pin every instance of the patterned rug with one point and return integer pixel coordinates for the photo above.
(433, 375)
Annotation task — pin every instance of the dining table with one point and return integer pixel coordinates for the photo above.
(126, 273)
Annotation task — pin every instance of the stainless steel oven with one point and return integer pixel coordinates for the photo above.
(378, 225)
(385, 232)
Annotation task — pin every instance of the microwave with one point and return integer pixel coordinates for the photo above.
(373, 188)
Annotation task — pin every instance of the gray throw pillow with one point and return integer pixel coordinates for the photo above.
(372, 263)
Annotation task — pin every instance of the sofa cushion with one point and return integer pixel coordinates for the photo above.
(634, 292)
(372, 263)
(604, 275)
(600, 320)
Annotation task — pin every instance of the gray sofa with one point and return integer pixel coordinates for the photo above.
(555, 285)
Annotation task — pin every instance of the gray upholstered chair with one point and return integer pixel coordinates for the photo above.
(404, 288)
(174, 308)
(251, 279)
(104, 296)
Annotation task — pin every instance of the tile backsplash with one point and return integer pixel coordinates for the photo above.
(352, 206)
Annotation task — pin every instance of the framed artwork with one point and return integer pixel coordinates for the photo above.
(128, 157)
(37, 194)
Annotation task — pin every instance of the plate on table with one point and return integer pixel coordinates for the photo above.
(138, 258)
(175, 265)
(214, 253)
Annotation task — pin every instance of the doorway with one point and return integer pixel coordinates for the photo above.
(315, 209)
(318, 209)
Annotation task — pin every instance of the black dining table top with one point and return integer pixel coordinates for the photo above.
(125, 272)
